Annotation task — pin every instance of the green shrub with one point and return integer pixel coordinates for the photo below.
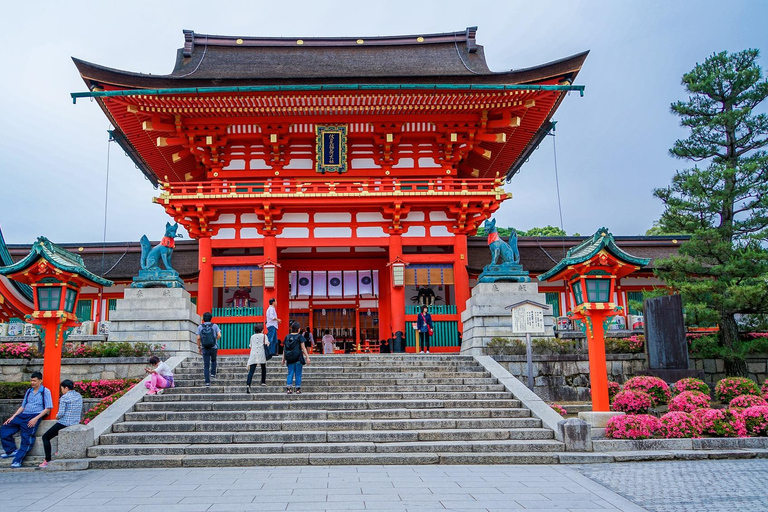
(505, 346)
(555, 346)
(13, 390)
(706, 347)
(112, 349)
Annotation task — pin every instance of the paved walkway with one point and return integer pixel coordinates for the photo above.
(683, 486)
(308, 488)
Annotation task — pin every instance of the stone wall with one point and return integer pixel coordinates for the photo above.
(16, 370)
(8, 406)
(566, 377)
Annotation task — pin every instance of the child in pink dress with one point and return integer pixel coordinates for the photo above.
(161, 376)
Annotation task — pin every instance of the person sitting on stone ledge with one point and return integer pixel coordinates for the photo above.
(36, 405)
(161, 376)
(70, 413)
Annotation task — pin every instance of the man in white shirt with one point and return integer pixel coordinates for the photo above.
(272, 323)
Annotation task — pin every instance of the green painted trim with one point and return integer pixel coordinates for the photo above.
(327, 87)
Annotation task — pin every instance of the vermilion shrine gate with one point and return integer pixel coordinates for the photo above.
(312, 170)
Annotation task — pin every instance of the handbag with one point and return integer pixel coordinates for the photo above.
(302, 360)
(431, 331)
(429, 327)
(267, 352)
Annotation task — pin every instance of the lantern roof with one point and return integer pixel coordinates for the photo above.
(56, 256)
(602, 240)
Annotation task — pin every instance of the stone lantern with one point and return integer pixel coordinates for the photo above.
(590, 271)
(56, 277)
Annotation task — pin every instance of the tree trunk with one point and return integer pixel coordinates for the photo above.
(735, 365)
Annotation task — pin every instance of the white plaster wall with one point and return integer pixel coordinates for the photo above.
(294, 233)
(333, 232)
(333, 217)
(370, 232)
(225, 234)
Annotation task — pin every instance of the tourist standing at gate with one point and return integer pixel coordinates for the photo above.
(425, 328)
(309, 340)
(259, 346)
(295, 356)
(208, 336)
(70, 413)
(36, 405)
(272, 323)
(329, 344)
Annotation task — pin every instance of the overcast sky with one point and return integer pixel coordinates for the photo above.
(612, 144)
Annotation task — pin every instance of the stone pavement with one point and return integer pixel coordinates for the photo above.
(687, 486)
(309, 488)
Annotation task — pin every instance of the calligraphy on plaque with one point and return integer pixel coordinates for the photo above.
(331, 148)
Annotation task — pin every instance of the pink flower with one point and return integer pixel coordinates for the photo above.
(639, 426)
(653, 386)
(721, 422)
(691, 384)
(744, 401)
(689, 401)
(679, 425)
(559, 409)
(756, 420)
(731, 387)
(632, 402)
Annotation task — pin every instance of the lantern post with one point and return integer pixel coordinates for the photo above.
(590, 271)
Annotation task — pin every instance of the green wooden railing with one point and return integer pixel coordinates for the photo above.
(415, 309)
(234, 312)
(84, 310)
(236, 336)
(446, 335)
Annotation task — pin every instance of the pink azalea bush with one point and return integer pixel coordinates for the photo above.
(559, 409)
(679, 425)
(689, 401)
(721, 422)
(731, 387)
(744, 401)
(103, 388)
(613, 389)
(756, 420)
(764, 389)
(691, 384)
(632, 402)
(18, 351)
(635, 426)
(653, 386)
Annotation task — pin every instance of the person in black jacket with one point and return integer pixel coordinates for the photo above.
(294, 356)
(424, 326)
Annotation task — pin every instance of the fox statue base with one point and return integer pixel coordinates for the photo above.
(504, 273)
(157, 278)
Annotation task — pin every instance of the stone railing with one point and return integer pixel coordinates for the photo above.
(16, 370)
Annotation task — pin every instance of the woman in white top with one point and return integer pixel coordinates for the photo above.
(329, 344)
(258, 356)
(161, 376)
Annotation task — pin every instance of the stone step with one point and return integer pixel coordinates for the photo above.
(327, 425)
(320, 387)
(327, 414)
(215, 393)
(322, 459)
(341, 436)
(280, 405)
(435, 377)
(372, 447)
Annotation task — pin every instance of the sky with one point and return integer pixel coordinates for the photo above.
(611, 145)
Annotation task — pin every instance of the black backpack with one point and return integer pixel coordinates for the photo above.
(207, 336)
(292, 347)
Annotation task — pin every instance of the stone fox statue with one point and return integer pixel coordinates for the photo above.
(150, 257)
(499, 248)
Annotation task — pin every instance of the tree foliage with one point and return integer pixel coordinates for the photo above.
(545, 231)
(722, 201)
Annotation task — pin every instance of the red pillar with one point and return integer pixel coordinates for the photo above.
(397, 293)
(52, 362)
(385, 319)
(205, 279)
(460, 275)
(270, 253)
(598, 369)
(283, 298)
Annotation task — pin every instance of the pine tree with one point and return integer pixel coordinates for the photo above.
(723, 199)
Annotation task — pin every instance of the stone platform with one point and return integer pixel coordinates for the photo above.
(156, 315)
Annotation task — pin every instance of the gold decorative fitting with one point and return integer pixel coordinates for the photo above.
(277, 173)
(386, 172)
(360, 41)
(80, 249)
(299, 41)
(420, 39)
(239, 41)
(215, 175)
(674, 241)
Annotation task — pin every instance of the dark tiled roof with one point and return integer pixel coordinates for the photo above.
(210, 60)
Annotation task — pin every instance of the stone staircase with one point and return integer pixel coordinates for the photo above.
(354, 409)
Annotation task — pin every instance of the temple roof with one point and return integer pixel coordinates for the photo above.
(601, 240)
(212, 60)
(5, 259)
(56, 256)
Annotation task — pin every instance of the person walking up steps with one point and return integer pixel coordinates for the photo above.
(294, 356)
(259, 346)
(272, 324)
(208, 336)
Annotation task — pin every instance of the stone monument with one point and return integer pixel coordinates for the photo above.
(502, 282)
(665, 339)
(156, 308)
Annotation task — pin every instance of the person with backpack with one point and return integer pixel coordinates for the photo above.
(259, 355)
(36, 405)
(208, 335)
(295, 356)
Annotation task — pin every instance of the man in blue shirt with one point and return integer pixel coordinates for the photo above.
(70, 412)
(36, 405)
